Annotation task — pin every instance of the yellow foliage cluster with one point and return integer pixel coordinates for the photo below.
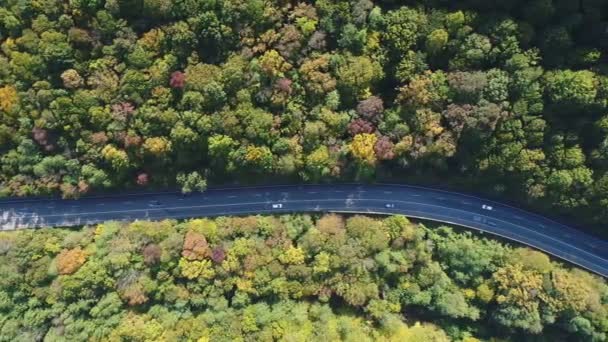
(317, 76)
(417, 93)
(196, 268)
(136, 327)
(255, 153)
(362, 148)
(118, 158)
(404, 145)
(245, 285)
(520, 287)
(70, 260)
(8, 98)
(200, 75)
(318, 160)
(417, 333)
(485, 293)
(204, 226)
(152, 39)
(425, 90)
(429, 122)
(293, 256)
(157, 146)
(273, 63)
(52, 245)
(570, 291)
(322, 263)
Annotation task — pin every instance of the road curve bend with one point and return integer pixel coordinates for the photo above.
(459, 209)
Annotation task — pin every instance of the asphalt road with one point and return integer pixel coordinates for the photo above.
(459, 209)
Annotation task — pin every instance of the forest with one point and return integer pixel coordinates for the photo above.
(289, 278)
(504, 97)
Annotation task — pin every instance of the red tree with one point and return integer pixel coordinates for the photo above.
(284, 85)
(359, 126)
(218, 255)
(142, 179)
(371, 108)
(384, 148)
(178, 80)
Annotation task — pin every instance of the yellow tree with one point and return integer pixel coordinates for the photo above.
(273, 64)
(8, 98)
(316, 75)
(157, 146)
(362, 148)
(428, 89)
(194, 269)
(519, 287)
(292, 256)
(117, 158)
(259, 156)
(569, 292)
(70, 260)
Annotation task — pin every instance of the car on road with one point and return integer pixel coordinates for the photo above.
(389, 205)
(487, 207)
(154, 203)
(277, 206)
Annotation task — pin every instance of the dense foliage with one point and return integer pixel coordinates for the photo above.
(294, 278)
(508, 96)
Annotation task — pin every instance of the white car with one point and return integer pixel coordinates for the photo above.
(486, 207)
(389, 205)
(277, 206)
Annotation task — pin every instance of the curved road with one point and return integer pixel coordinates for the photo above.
(459, 209)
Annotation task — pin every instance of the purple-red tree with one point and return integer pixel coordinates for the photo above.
(122, 110)
(371, 108)
(284, 85)
(178, 80)
(384, 148)
(359, 126)
(142, 179)
(218, 255)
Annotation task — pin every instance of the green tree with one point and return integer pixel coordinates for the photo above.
(403, 27)
(436, 41)
(190, 182)
(358, 74)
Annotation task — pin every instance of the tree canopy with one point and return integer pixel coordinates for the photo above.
(507, 98)
(298, 277)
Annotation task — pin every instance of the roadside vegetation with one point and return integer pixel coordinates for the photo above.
(507, 97)
(295, 278)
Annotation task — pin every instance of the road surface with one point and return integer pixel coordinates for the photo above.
(459, 209)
